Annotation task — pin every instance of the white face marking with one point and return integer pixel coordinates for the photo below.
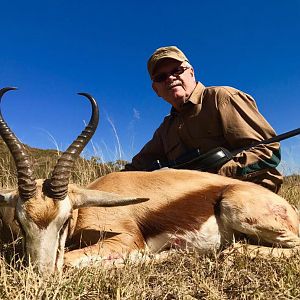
(45, 247)
(207, 238)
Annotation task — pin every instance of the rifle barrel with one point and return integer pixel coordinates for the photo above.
(274, 139)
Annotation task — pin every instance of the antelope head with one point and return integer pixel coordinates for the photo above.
(43, 207)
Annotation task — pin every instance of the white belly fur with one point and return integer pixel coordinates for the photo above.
(207, 238)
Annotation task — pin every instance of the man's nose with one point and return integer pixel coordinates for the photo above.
(170, 78)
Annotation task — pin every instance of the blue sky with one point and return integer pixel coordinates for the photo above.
(53, 49)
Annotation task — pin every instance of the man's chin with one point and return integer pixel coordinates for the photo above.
(179, 96)
(177, 92)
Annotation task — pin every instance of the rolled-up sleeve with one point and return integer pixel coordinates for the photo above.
(243, 125)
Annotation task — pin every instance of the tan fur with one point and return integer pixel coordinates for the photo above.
(41, 210)
(180, 202)
(185, 209)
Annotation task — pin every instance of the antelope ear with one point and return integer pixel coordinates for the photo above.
(84, 198)
(8, 198)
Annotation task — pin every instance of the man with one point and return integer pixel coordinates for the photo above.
(205, 118)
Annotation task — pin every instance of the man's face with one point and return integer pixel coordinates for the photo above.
(173, 87)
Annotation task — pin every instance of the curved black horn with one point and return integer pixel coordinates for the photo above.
(57, 186)
(26, 181)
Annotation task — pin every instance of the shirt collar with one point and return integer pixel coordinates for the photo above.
(196, 96)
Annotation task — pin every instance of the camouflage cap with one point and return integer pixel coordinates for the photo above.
(164, 52)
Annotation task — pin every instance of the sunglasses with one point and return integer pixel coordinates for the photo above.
(175, 72)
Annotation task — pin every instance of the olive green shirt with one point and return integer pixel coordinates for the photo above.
(217, 117)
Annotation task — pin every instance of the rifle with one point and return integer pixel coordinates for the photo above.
(215, 158)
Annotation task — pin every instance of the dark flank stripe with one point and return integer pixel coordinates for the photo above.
(180, 215)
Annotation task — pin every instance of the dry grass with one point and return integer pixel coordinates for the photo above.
(43, 161)
(182, 275)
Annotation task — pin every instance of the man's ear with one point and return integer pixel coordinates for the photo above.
(192, 72)
(155, 89)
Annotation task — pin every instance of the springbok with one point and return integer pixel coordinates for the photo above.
(184, 209)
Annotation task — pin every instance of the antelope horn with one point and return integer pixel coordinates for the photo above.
(57, 186)
(26, 181)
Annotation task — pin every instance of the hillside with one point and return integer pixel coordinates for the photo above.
(85, 170)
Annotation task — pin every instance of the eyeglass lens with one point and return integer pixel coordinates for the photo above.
(175, 72)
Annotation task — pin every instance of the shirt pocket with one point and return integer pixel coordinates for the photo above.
(204, 134)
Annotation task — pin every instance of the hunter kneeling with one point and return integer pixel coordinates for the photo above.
(203, 119)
